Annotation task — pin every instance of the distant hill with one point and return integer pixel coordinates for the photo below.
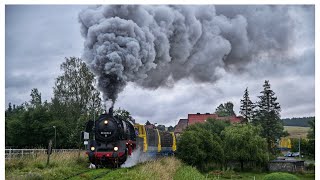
(303, 121)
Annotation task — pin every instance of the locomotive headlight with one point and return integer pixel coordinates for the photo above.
(92, 148)
(105, 122)
(115, 148)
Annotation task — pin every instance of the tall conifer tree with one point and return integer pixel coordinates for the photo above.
(267, 116)
(246, 107)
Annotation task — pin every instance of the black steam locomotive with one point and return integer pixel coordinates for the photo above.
(113, 139)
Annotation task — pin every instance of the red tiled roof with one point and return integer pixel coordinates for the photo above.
(200, 118)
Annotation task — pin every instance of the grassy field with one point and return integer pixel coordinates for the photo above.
(70, 166)
(60, 166)
(297, 131)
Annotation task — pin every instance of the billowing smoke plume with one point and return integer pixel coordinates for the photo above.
(155, 46)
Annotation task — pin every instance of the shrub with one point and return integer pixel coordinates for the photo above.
(310, 167)
(280, 176)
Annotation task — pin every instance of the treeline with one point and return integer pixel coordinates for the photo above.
(75, 100)
(295, 121)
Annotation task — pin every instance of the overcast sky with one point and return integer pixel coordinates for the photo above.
(38, 38)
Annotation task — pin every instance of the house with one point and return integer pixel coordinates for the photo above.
(201, 118)
(182, 124)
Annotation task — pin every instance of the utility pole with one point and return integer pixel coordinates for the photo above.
(299, 147)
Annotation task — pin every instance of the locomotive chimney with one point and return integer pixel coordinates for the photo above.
(111, 111)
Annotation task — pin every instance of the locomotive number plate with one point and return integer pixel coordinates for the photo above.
(106, 133)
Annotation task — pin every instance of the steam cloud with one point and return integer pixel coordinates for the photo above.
(137, 157)
(155, 46)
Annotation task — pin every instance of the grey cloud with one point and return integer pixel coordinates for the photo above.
(273, 43)
(37, 40)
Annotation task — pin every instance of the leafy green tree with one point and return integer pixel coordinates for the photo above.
(243, 143)
(75, 99)
(311, 138)
(311, 133)
(35, 98)
(304, 149)
(225, 109)
(267, 115)
(206, 146)
(123, 114)
(28, 126)
(170, 128)
(161, 127)
(246, 107)
(200, 147)
(212, 125)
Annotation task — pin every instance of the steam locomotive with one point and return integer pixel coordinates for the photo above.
(113, 139)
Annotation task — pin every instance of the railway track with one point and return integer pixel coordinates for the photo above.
(89, 174)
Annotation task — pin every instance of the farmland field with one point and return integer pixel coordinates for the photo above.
(296, 131)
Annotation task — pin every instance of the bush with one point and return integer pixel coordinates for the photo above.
(310, 167)
(280, 176)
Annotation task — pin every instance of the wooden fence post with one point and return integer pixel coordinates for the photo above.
(49, 151)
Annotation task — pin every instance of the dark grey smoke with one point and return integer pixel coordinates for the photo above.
(155, 46)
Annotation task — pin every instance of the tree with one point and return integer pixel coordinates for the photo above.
(311, 138)
(28, 126)
(246, 107)
(170, 128)
(311, 133)
(267, 115)
(224, 110)
(200, 147)
(203, 141)
(123, 114)
(161, 127)
(35, 98)
(75, 99)
(242, 143)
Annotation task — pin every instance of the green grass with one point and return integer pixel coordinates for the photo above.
(168, 168)
(188, 172)
(60, 166)
(280, 176)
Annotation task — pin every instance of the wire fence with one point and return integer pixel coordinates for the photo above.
(21, 153)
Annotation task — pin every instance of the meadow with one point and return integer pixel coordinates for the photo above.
(297, 131)
(74, 167)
